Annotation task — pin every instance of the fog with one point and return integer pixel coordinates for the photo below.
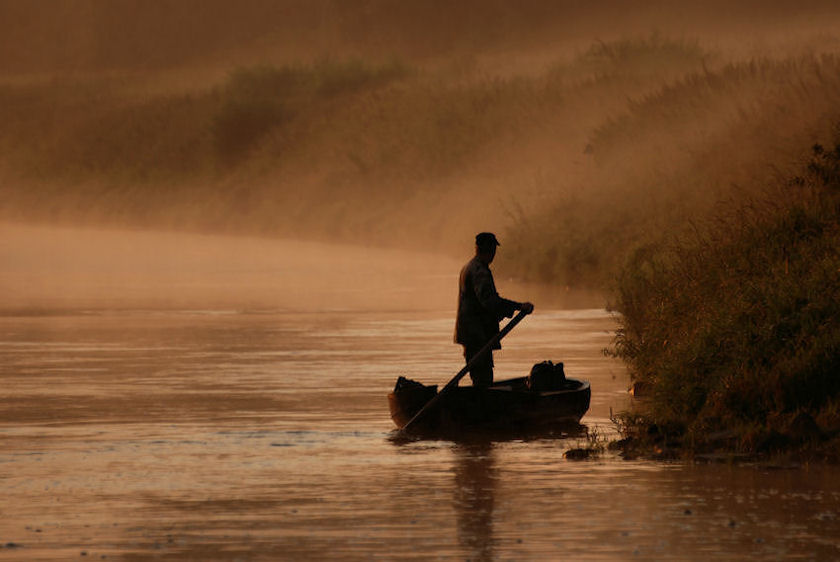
(58, 270)
(577, 131)
(94, 35)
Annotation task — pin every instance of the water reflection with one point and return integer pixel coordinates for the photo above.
(262, 437)
(476, 478)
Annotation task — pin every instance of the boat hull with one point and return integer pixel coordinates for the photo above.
(506, 406)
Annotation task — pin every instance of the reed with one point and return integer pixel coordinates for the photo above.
(596, 155)
(254, 101)
(677, 155)
(734, 327)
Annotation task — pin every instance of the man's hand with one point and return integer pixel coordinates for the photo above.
(526, 307)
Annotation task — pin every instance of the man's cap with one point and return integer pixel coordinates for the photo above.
(486, 239)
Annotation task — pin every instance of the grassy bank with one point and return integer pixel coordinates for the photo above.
(578, 160)
(675, 156)
(731, 333)
(377, 150)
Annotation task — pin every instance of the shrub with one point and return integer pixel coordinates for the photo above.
(736, 325)
(257, 100)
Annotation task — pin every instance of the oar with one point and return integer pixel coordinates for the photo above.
(454, 382)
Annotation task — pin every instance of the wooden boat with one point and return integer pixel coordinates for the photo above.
(507, 406)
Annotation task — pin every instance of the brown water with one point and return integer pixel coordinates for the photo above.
(261, 432)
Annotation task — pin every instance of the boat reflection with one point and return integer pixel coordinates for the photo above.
(476, 482)
(476, 478)
(476, 437)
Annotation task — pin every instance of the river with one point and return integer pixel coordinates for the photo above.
(172, 396)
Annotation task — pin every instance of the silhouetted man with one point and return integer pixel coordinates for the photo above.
(480, 308)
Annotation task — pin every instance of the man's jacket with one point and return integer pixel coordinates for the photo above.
(480, 308)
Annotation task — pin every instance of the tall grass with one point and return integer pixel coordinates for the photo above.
(676, 155)
(325, 146)
(636, 59)
(734, 327)
(257, 100)
(597, 154)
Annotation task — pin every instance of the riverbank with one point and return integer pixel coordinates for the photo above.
(731, 334)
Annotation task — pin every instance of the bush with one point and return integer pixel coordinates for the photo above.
(258, 100)
(673, 157)
(736, 325)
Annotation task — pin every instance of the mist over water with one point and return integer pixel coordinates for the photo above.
(58, 269)
(72, 268)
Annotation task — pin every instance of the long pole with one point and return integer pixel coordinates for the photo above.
(454, 382)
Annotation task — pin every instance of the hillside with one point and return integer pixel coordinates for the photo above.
(577, 133)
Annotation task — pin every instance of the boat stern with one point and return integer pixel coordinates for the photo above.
(407, 399)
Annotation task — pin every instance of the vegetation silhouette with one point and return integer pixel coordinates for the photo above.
(732, 330)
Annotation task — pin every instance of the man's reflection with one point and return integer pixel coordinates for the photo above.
(475, 491)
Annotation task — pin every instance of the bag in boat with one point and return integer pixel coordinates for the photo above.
(546, 376)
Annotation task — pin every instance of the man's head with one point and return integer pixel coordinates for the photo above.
(485, 246)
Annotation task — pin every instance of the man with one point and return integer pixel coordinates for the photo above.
(480, 308)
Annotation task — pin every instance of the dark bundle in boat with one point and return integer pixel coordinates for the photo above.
(543, 401)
